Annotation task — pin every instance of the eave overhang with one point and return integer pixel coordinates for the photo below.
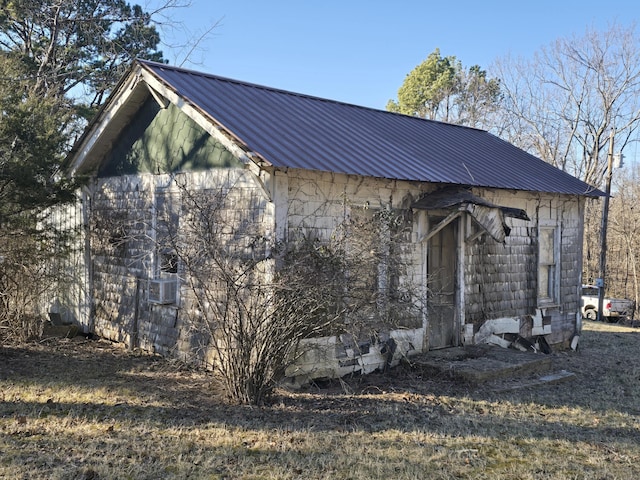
(127, 97)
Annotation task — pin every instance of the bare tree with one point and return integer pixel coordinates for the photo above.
(563, 104)
(623, 273)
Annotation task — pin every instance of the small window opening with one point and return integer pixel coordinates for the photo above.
(169, 262)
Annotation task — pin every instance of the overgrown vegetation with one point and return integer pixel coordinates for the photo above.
(91, 409)
(31, 147)
(58, 62)
(253, 302)
(565, 104)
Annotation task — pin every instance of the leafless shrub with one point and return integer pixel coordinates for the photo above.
(29, 271)
(258, 299)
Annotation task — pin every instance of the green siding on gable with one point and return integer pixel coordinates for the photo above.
(163, 141)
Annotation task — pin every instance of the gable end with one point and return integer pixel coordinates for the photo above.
(164, 140)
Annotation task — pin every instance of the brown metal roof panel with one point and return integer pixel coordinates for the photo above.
(283, 126)
(298, 131)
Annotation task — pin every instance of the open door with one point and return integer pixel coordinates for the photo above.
(441, 284)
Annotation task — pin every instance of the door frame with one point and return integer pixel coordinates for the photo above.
(427, 230)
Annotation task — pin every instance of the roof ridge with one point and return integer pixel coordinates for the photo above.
(300, 131)
(296, 94)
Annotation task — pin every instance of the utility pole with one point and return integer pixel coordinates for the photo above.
(603, 229)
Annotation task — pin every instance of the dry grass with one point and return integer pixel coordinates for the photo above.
(81, 410)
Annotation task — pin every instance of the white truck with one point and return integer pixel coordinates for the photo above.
(613, 309)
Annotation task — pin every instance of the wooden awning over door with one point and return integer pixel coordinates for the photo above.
(458, 200)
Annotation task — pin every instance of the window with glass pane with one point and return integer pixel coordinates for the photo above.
(547, 267)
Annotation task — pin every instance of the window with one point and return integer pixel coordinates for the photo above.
(547, 267)
(166, 233)
(169, 262)
(378, 235)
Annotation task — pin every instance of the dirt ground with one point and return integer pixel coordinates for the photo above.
(67, 388)
(600, 358)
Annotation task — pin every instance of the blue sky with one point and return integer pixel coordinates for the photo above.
(360, 51)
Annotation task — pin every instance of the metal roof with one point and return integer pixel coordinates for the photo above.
(291, 130)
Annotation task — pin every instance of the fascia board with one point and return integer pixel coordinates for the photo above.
(98, 127)
(208, 123)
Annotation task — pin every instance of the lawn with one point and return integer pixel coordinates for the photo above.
(79, 409)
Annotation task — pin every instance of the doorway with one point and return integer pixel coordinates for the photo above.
(441, 285)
